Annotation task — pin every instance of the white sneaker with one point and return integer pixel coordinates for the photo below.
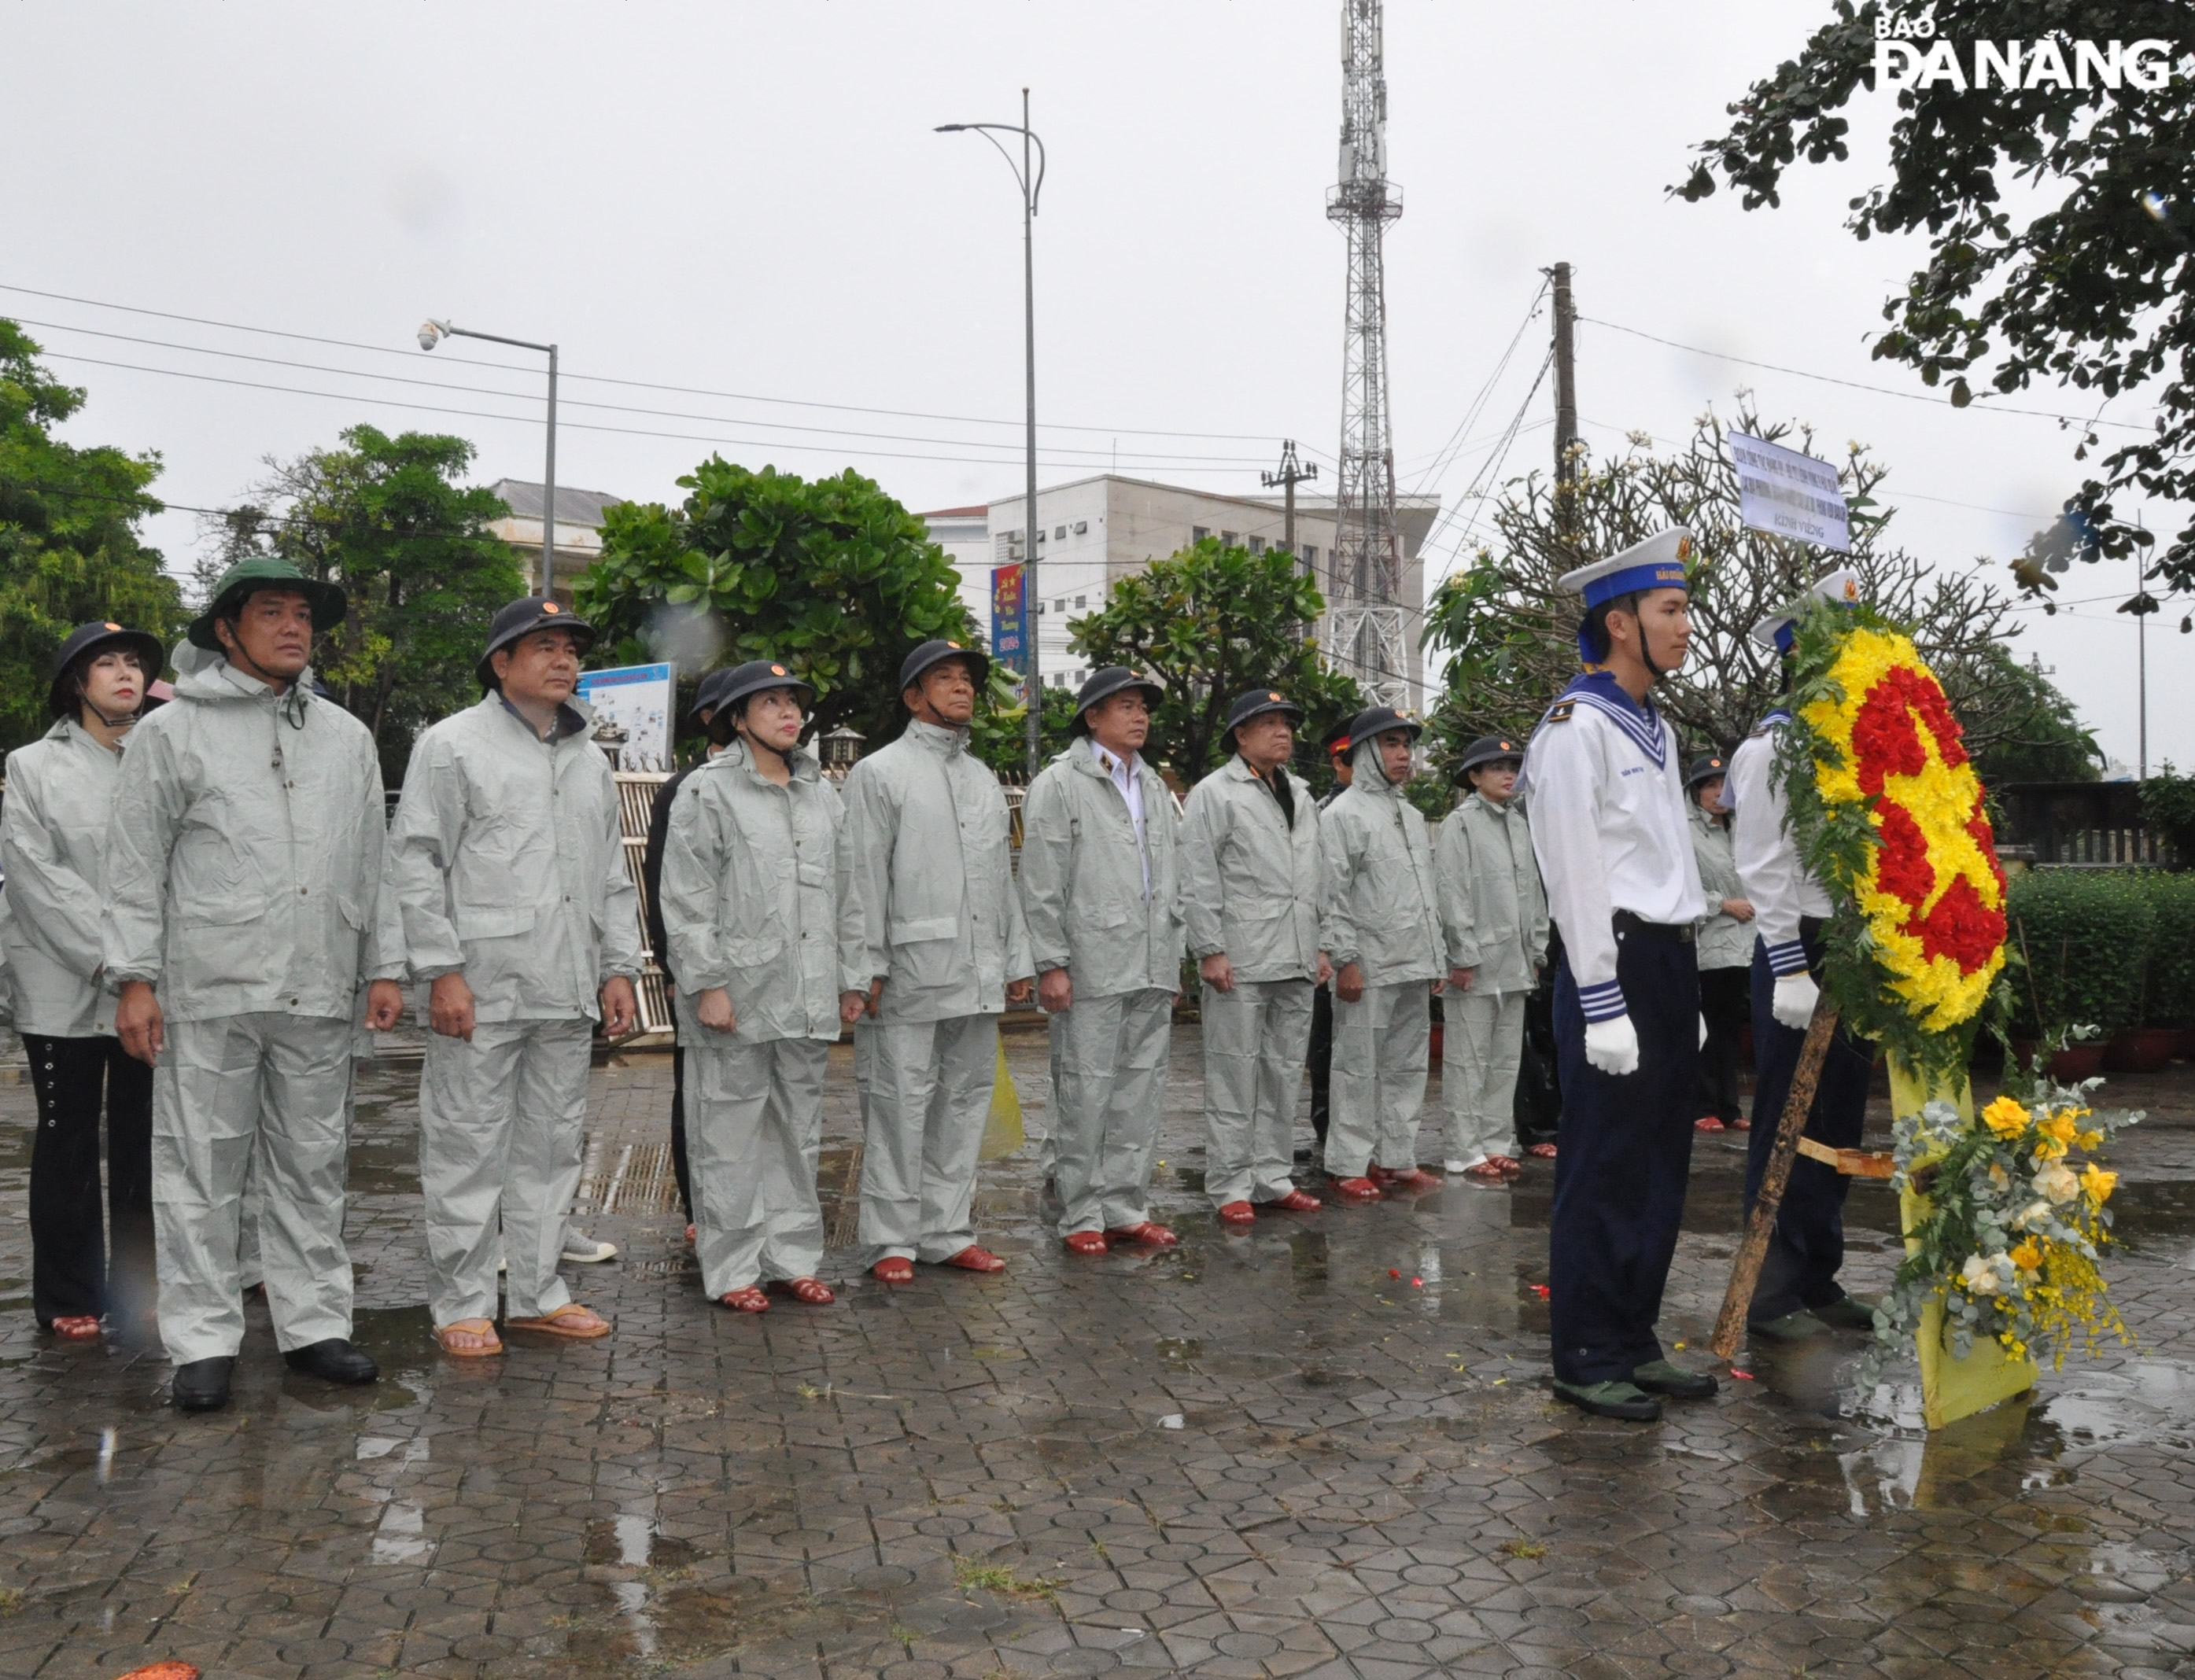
(582, 1251)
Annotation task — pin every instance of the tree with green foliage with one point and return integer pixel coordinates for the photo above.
(832, 576)
(2050, 744)
(2089, 283)
(1512, 634)
(1210, 621)
(386, 518)
(69, 548)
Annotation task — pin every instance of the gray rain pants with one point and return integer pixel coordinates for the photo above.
(1379, 1079)
(1481, 1045)
(926, 1088)
(500, 1120)
(1254, 1039)
(1108, 1065)
(754, 1124)
(279, 1085)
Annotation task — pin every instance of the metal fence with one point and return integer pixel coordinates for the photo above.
(2091, 825)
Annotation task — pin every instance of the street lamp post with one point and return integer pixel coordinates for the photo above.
(432, 333)
(1032, 184)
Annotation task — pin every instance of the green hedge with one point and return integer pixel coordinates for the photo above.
(2171, 984)
(2085, 936)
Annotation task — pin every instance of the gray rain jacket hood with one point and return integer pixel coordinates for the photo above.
(53, 828)
(933, 881)
(244, 866)
(1249, 881)
(754, 899)
(1493, 908)
(506, 860)
(1082, 878)
(1377, 903)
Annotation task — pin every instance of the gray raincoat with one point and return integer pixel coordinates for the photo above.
(53, 844)
(506, 860)
(1493, 909)
(1250, 883)
(1083, 879)
(1377, 904)
(753, 899)
(932, 880)
(244, 863)
(1725, 941)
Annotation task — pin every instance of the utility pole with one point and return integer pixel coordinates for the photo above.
(1291, 474)
(1565, 376)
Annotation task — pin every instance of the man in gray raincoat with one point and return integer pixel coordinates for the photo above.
(506, 867)
(1099, 892)
(1250, 873)
(240, 928)
(943, 950)
(1380, 918)
(761, 932)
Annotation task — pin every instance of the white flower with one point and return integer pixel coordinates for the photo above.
(1980, 1276)
(2057, 1184)
(2033, 1215)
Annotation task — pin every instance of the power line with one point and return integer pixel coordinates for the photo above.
(1979, 407)
(635, 385)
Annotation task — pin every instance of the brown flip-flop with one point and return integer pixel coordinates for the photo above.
(553, 1323)
(471, 1326)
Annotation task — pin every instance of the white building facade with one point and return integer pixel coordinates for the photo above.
(1093, 532)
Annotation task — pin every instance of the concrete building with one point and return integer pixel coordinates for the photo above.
(578, 529)
(1096, 531)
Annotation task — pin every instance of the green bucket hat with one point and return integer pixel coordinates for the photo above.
(263, 571)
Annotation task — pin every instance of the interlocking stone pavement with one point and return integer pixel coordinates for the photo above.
(1323, 1449)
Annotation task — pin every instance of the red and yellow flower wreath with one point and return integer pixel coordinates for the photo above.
(1931, 892)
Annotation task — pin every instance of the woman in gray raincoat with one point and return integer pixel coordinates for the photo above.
(1725, 947)
(760, 928)
(53, 844)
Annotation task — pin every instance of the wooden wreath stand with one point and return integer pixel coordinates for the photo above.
(1951, 1388)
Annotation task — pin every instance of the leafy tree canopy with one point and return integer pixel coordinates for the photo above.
(1512, 634)
(833, 577)
(2090, 283)
(386, 518)
(1210, 621)
(69, 548)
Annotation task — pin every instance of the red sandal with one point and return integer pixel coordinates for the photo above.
(1541, 1151)
(1086, 1242)
(893, 1269)
(76, 1327)
(1406, 1179)
(1237, 1213)
(810, 1292)
(974, 1259)
(1297, 1201)
(1357, 1189)
(748, 1300)
(1143, 1231)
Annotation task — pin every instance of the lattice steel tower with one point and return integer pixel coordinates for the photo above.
(1365, 635)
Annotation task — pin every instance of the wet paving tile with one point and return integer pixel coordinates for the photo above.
(1322, 1447)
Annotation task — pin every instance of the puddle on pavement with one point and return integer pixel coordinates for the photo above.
(401, 1340)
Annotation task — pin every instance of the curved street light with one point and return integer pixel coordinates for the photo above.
(1029, 176)
(433, 332)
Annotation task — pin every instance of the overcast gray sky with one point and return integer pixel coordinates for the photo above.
(748, 200)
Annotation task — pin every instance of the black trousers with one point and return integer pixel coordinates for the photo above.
(1621, 1173)
(1726, 1001)
(678, 1169)
(1319, 1059)
(1808, 1246)
(71, 1275)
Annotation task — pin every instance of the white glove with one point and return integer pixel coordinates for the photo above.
(1612, 1046)
(1704, 1029)
(1792, 1006)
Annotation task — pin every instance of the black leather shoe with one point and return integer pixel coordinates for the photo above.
(202, 1385)
(334, 1361)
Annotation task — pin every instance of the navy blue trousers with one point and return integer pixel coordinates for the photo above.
(1808, 1246)
(1621, 1167)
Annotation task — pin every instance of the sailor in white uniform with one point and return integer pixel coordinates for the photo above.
(1798, 1295)
(1606, 784)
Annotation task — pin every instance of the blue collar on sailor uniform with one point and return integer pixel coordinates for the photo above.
(1637, 718)
(1781, 715)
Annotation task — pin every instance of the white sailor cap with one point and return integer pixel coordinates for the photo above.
(1840, 588)
(1657, 563)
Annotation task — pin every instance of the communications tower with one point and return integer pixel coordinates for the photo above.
(1365, 632)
